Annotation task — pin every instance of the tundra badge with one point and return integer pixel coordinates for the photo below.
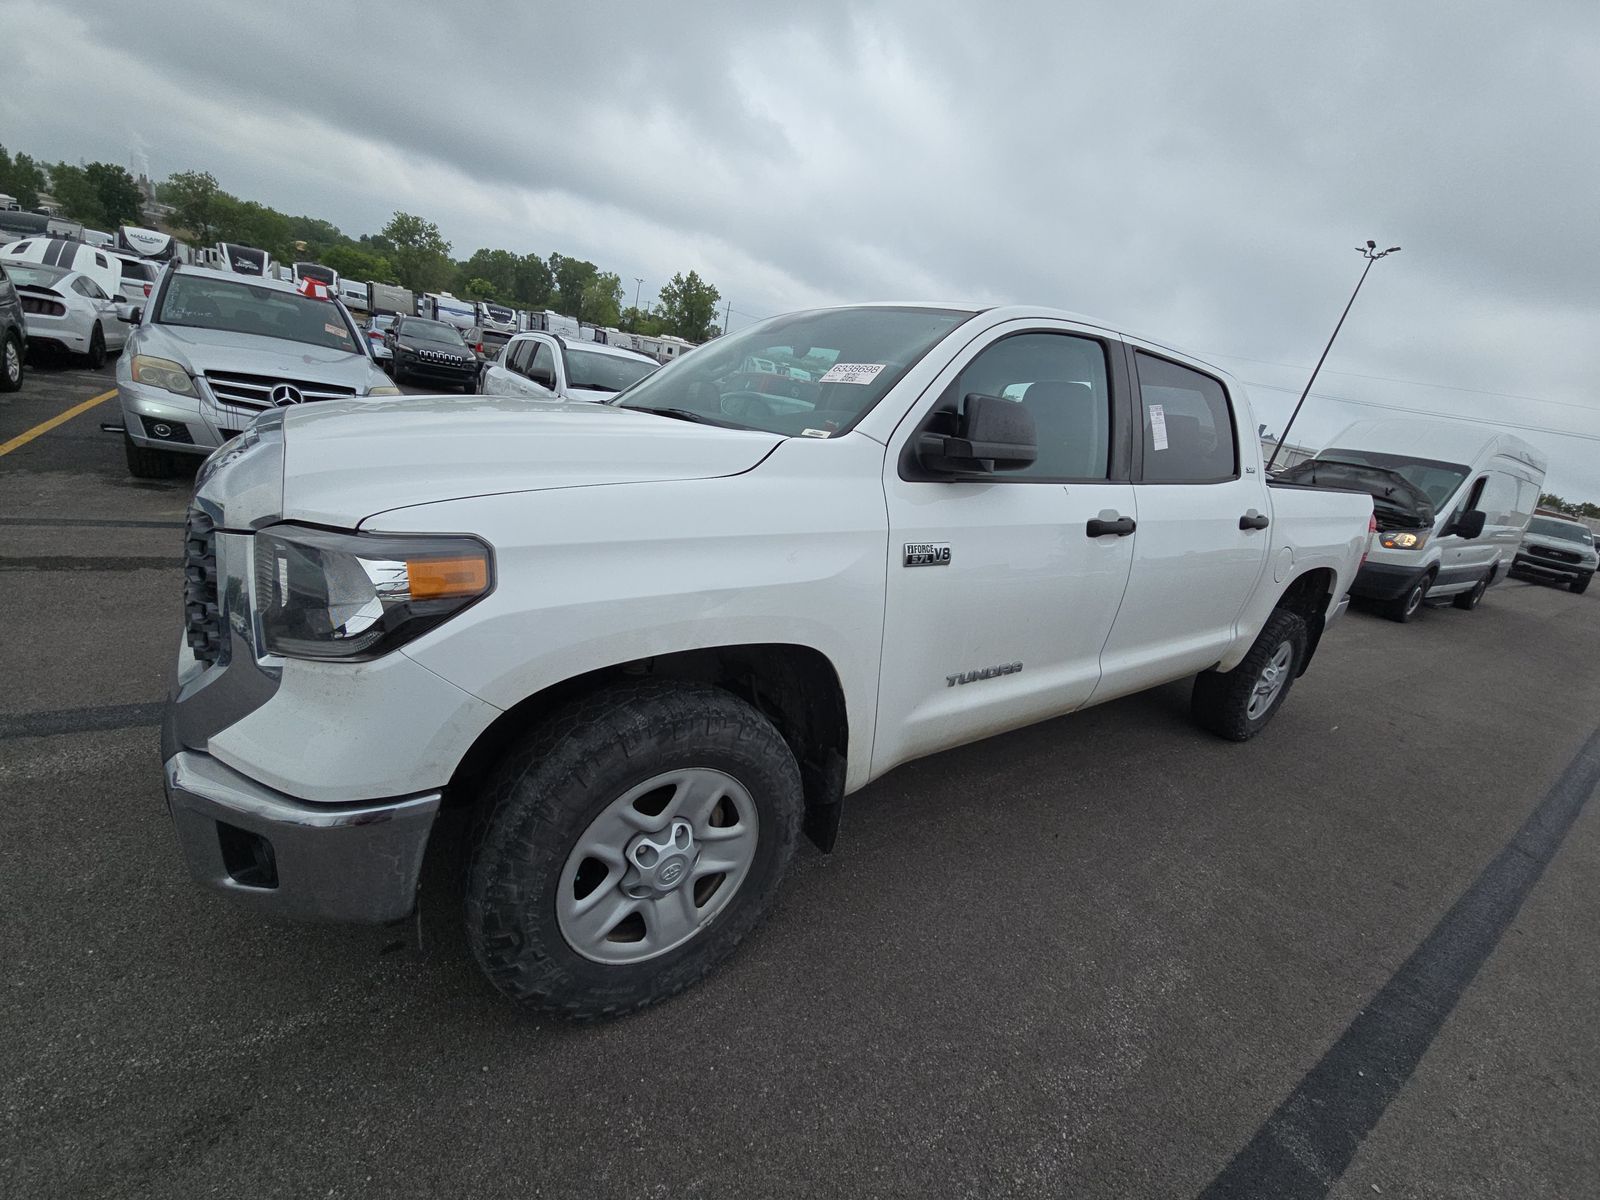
(927, 554)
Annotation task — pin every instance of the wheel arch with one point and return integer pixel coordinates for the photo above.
(1310, 596)
(796, 687)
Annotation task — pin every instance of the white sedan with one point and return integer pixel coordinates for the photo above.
(546, 366)
(69, 310)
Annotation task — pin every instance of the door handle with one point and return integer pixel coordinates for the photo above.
(1253, 520)
(1121, 526)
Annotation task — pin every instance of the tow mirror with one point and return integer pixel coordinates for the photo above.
(993, 434)
(1469, 525)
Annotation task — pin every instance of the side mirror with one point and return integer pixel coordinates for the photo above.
(119, 298)
(128, 313)
(1469, 525)
(543, 376)
(993, 434)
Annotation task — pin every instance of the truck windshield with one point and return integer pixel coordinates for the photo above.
(202, 303)
(1560, 529)
(810, 374)
(1437, 480)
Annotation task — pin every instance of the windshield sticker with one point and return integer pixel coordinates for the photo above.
(862, 373)
(814, 433)
(337, 331)
(1158, 426)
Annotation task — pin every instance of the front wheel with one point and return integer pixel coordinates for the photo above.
(1406, 607)
(145, 463)
(1237, 704)
(1468, 601)
(1580, 585)
(628, 846)
(96, 358)
(11, 363)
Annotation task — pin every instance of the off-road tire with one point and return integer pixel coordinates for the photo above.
(96, 357)
(551, 785)
(145, 463)
(1220, 701)
(1467, 601)
(1409, 604)
(1580, 585)
(11, 363)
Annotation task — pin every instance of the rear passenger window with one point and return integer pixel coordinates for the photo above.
(1061, 381)
(1188, 428)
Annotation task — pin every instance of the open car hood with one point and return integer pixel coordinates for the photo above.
(1396, 503)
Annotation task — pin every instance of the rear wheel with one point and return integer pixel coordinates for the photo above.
(629, 844)
(1237, 704)
(1468, 601)
(145, 463)
(1580, 585)
(1406, 606)
(96, 357)
(11, 363)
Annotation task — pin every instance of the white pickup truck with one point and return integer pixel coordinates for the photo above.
(646, 643)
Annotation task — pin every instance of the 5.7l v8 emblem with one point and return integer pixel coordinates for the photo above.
(927, 554)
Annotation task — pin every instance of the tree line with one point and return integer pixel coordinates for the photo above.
(1572, 508)
(409, 250)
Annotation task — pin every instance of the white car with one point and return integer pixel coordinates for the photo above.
(69, 310)
(651, 641)
(546, 366)
(69, 255)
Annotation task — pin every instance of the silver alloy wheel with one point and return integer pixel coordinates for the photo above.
(657, 865)
(13, 361)
(1270, 682)
(1414, 600)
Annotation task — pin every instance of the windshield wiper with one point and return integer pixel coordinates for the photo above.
(596, 387)
(682, 414)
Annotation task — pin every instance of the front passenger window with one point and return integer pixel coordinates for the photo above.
(544, 360)
(1061, 380)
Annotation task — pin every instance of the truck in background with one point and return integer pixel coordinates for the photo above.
(388, 299)
(245, 260)
(495, 318)
(354, 294)
(442, 306)
(317, 273)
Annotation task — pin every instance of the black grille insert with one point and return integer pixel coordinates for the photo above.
(202, 614)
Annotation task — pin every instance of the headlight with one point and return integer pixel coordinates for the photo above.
(384, 390)
(164, 374)
(1397, 539)
(353, 596)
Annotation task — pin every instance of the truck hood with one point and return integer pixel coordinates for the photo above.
(1397, 503)
(205, 350)
(348, 460)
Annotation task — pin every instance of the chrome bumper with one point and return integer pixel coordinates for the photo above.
(285, 857)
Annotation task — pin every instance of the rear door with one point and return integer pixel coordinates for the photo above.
(1203, 515)
(999, 599)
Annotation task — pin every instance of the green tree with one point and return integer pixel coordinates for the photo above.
(479, 289)
(1550, 500)
(196, 201)
(21, 178)
(421, 255)
(120, 201)
(602, 300)
(252, 224)
(76, 195)
(688, 307)
(572, 276)
(498, 268)
(359, 263)
(637, 321)
(532, 281)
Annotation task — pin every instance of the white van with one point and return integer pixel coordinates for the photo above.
(1451, 502)
(70, 256)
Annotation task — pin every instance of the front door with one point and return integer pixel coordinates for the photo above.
(999, 600)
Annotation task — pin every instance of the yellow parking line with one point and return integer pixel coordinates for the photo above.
(22, 439)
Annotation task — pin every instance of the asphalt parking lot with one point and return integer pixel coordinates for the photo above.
(1104, 956)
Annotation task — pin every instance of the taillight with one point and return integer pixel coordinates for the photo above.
(1372, 528)
(43, 308)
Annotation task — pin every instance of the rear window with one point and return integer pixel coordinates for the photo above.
(143, 272)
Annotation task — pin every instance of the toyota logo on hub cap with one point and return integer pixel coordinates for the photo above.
(285, 393)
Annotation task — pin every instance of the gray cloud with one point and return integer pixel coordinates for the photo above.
(1198, 172)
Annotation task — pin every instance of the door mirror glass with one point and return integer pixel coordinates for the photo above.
(128, 313)
(1469, 525)
(993, 434)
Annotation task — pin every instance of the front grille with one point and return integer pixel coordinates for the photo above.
(202, 615)
(1558, 555)
(441, 358)
(246, 395)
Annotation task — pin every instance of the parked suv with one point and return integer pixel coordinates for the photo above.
(1557, 550)
(214, 350)
(13, 336)
(546, 366)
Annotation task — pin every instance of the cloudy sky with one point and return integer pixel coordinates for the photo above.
(1197, 172)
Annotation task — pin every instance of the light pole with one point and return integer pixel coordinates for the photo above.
(1372, 254)
(637, 284)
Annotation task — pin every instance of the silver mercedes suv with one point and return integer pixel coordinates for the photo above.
(211, 351)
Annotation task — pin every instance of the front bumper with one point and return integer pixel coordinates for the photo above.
(427, 369)
(317, 862)
(1382, 581)
(1544, 568)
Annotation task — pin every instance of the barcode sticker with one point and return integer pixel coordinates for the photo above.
(852, 373)
(1158, 426)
